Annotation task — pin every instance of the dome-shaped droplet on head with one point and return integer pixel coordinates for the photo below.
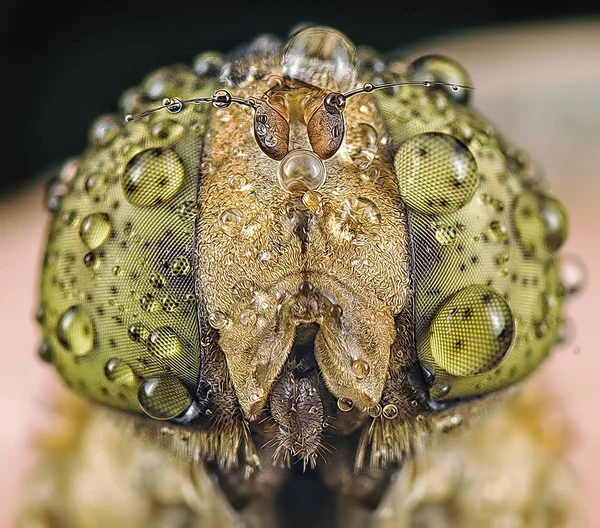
(164, 342)
(95, 230)
(360, 368)
(152, 177)
(164, 397)
(572, 274)
(321, 56)
(437, 174)
(104, 130)
(119, 372)
(437, 68)
(472, 332)
(75, 331)
(345, 404)
(301, 171)
(540, 221)
(390, 411)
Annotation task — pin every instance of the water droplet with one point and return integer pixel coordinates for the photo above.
(116, 270)
(181, 266)
(104, 130)
(355, 217)
(96, 186)
(157, 280)
(300, 171)
(92, 261)
(187, 210)
(208, 65)
(119, 372)
(137, 332)
(572, 274)
(168, 131)
(540, 221)
(360, 368)
(169, 303)
(239, 183)
(472, 331)
(232, 222)
(164, 398)
(165, 343)
(390, 411)
(497, 232)
(437, 173)
(448, 423)
(217, 320)
(437, 68)
(40, 314)
(149, 303)
(345, 404)
(375, 411)
(45, 352)
(321, 56)
(248, 317)
(75, 331)
(446, 235)
(152, 177)
(95, 230)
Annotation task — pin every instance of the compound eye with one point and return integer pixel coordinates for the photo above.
(325, 127)
(271, 130)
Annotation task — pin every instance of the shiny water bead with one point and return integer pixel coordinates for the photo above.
(157, 280)
(232, 222)
(95, 230)
(442, 69)
(437, 173)
(138, 332)
(164, 397)
(300, 171)
(168, 131)
(119, 372)
(75, 331)
(390, 411)
(360, 368)
(165, 343)
(104, 130)
(472, 331)
(321, 56)
(181, 266)
(375, 411)
(345, 404)
(217, 320)
(92, 261)
(96, 186)
(152, 177)
(540, 221)
(572, 274)
(208, 65)
(45, 351)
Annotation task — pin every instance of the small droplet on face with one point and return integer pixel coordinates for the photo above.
(168, 131)
(152, 177)
(446, 235)
(164, 398)
(75, 331)
(301, 171)
(138, 333)
(375, 411)
(45, 352)
(436, 173)
(360, 368)
(92, 261)
(169, 303)
(149, 303)
(248, 317)
(572, 274)
(157, 280)
(345, 404)
(119, 372)
(231, 222)
(180, 266)
(164, 342)
(217, 320)
(321, 56)
(96, 186)
(104, 130)
(390, 411)
(497, 232)
(472, 331)
(95, 230)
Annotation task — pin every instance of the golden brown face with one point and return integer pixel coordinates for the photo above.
(300, 262)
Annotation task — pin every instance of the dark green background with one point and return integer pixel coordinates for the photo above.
(65, 63)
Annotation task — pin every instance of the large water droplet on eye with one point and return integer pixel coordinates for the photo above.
(164, 397)
(95, 230)
(436, 173)
(119, 372)
(75, 331)
(231, 222)
(472, 331)
(165, 343)
(442, 69)
(321, 56)
(152, 177)
(540, 221)
(300, 171)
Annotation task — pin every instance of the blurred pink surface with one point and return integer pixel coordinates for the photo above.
(541, 97)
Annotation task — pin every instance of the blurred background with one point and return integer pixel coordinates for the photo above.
(537, 77)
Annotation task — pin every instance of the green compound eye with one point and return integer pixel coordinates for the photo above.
(437, 174)
(472, 332)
